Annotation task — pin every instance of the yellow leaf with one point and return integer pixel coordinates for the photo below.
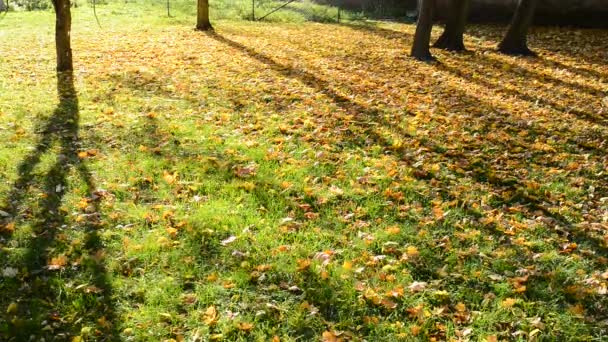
(394, 230)
(509, 302)
(12, 308)
(303, 264)
(210, 316)
(245, 326)
(168, 177)
(329, 336)
(412, 251)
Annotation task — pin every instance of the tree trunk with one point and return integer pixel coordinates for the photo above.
(63, 26)
(515, 41)
(2, 6)
(202, 16)
(424, 26)
(452, 37)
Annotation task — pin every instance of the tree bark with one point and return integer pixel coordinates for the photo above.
(202, 16)
(422, 38)
(63, 26)
(2, 6)
(452, 37)
(515, 40)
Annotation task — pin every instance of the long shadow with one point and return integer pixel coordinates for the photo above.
(513, 192)
(583, 115)
(593, 91)
(36, 291)
(392, 34)
(557, 43)
(346, 103)
(577, 70)
(377, 30)
(489, 61)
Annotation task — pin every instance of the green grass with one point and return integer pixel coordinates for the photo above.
(299, 180)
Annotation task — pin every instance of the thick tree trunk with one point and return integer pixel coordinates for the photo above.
(2, 6)
(515, 41)
(422, 37)
(202, 16)
(452, 37)
(63, 26)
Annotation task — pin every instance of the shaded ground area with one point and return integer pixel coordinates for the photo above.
(310, 182)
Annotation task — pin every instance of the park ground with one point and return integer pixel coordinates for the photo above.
(283, 181)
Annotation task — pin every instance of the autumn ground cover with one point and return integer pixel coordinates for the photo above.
(300, 182)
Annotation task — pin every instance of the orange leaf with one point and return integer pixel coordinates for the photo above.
(245, 326)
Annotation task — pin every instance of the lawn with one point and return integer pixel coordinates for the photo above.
(300, 181)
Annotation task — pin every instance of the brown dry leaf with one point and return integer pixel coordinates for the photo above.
(417, 286)
(244, 172)
(8, 228)
(415, 330)
(416, 312)
(389, 304)
(577, 309)
(438, 212)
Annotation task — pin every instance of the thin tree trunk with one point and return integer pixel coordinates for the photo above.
(452, 37)
(515, 41)
(422, 37)
(202, 17)
(63, 26)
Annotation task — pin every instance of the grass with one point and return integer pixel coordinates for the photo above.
(299, 182)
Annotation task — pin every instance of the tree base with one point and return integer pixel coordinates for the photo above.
(424, 57)
(516, 50)
(450, 44)
(204, 27)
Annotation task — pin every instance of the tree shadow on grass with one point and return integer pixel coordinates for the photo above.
(508, 187)
(55, 295)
